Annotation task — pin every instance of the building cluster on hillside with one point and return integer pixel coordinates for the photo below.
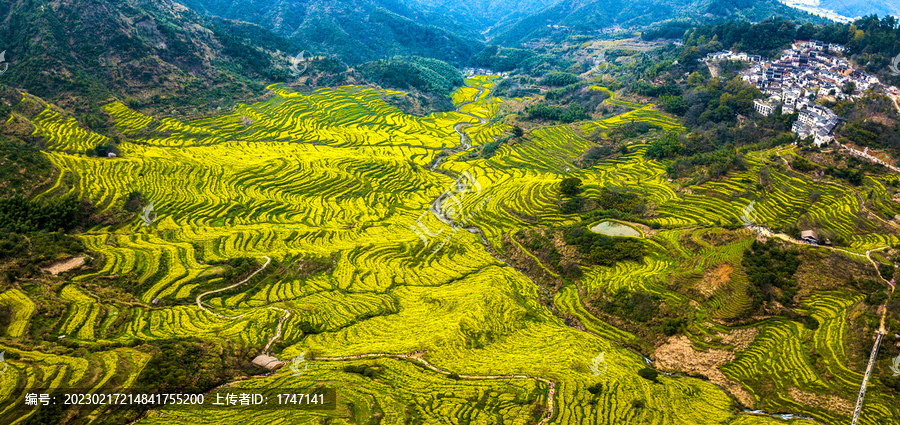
(802, 75)
(807, 68)
(816, 121)
(469, 72)
(728, 55)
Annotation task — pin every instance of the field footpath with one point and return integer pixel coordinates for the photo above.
(287, 313)
(199, 304)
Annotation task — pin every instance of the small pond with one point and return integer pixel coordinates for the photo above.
(611, 228)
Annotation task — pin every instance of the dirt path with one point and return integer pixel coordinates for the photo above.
(865, 382)
(463, 139)
(287, 313)
(199, 297)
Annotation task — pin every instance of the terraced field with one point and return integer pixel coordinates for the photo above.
(402, 391)
(813, 364)
(22, 307)
(340, 176)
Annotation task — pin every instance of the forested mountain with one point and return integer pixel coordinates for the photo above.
(483, 15)
(587, 16)
(76, 52)
(854, 8)
(355, 30)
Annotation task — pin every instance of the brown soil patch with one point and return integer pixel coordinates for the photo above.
(740, 339)
(828, 402)
(64, 266)
(714, 279)
(721, 237)
(569, 252)
(677, 354)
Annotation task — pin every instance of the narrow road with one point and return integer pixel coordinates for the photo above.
(199, 297)
(416, 357)
(862, 390)
(879, 334)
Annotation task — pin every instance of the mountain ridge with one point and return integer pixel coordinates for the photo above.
(73, 52)
(355, 30)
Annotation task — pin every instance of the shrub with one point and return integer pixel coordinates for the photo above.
(648, 374)
(368, 371)
(620, 201)
(601, 249)
(667, 147)
(21, 215)
(572, 113)
(570, 186)
(424, 74)
(768, 267)
(672, 326)
(572, 205)
(637, 306)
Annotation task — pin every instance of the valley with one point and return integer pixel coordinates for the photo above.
(430, 212)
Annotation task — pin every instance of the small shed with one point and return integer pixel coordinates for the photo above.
(809, 236)
(111, 155)
(268, 362)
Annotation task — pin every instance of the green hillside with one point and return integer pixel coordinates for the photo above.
(585, 18)
(354, 30)
(156, 52)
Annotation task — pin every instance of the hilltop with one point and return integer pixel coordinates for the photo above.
(76, 54)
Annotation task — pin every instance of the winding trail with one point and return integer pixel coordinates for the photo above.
(882, 330)
(199, 297)
(862, 389)
(287, 313)
(879, 336)
(418, 357)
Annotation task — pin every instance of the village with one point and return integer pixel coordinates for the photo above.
(471, 72)
(804, 74)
